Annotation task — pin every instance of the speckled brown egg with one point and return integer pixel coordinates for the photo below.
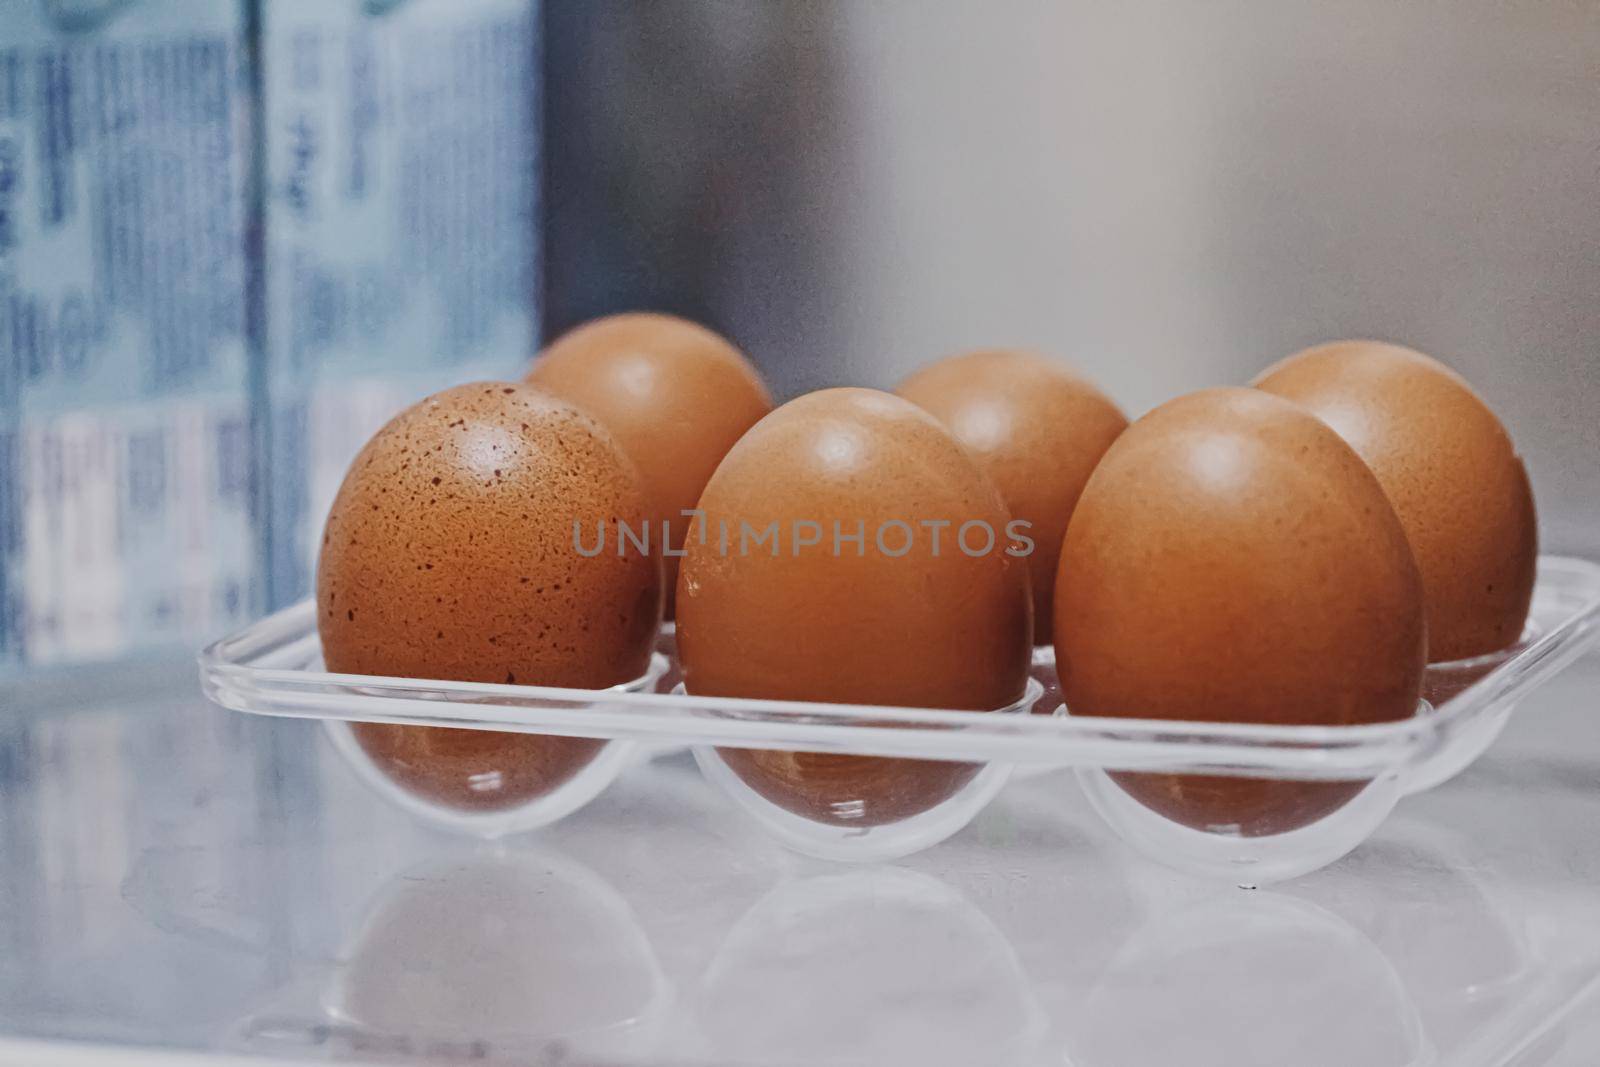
(450, 553)
(1037, 428)
(1233, 560)
(894, 619)
(1450, 470)
(675, 394)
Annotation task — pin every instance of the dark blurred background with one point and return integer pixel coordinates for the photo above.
(1167, 195)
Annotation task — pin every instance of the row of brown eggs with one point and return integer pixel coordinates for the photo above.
(1234, 555)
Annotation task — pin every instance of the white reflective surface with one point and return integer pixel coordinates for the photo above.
(178, 877)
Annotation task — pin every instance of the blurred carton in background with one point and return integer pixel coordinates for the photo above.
(401, 229)
(234, 240)
(125, 460)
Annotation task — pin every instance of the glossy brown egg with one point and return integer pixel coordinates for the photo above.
(1037, 429)
(1450, 470)
(449, 553)
(897, 618)
(1233, 560)
(674, 393)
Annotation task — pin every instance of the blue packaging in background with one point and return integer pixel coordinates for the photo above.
(125, 458)
(401, 228)
(235, 238)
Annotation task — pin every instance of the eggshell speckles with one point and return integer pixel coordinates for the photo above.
(928, 628)
(449, 554)
(1449, 468)
(675, 394)
(1233, 560)
(1037, 429)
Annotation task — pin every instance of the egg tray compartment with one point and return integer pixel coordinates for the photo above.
(273, 668)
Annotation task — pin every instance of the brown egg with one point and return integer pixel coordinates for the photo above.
(1450, 470)
(1233, 560)
(895, 620)
(449, 553)
(1037, 428)
(675, 394)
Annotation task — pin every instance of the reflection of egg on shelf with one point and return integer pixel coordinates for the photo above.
(503, 948)
(901, 966)
(1256, 980)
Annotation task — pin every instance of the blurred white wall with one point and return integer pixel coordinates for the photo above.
(1169, 195)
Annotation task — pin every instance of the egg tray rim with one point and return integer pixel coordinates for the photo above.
(261, 670)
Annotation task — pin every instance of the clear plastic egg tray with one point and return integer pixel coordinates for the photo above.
(274, 668)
